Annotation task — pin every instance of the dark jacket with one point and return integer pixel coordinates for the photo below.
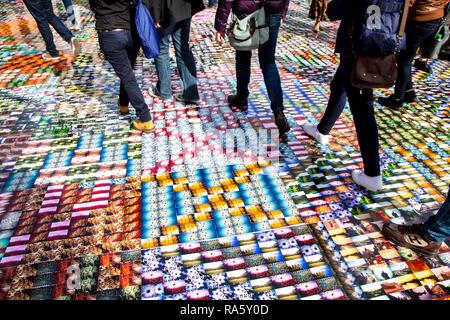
(112, 14)
(349, 12)
(247, 7)
(169, 12)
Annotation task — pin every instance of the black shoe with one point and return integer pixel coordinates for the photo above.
(282, 123)
(410, 96)
(235, 101)
(423, 66)
(391, 102)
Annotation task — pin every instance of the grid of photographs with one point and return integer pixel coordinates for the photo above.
(168, 215)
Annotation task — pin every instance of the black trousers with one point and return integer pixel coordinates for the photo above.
(361, 106)
(121, 49)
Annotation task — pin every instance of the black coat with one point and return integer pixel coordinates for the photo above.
(169, 12)
(349, 12)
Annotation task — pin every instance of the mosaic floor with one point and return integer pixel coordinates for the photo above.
(143, 218)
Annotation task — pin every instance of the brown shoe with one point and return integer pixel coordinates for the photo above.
(145, 126)
(124, 110)
(410, 237)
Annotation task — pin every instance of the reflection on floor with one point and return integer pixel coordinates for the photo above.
(139, 217)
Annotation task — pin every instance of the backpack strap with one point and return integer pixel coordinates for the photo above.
(401, 31)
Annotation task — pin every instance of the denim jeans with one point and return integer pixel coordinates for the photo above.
(437, 227)
(70, 11)
(121, 49)
(361, 106)
(179, 33)
(266, 55)
(212, 2)
(416, 34)
(42, 12)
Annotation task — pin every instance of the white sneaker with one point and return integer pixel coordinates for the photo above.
(48, 56)
(311, 130)
(370, 183)
(75, 44)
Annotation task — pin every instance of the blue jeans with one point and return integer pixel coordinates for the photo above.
(212, 2)
(416, 34)
(179, 33)
(70, 11)
(437, 227)
(266, 55)
(42, 12)
(121, 49)
(361, 106)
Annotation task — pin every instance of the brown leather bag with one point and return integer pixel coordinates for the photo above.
(374, 72)
(378, 72)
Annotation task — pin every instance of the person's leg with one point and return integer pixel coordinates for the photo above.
(132, 51)
(437, 227)
(162, 64)
(268, 66)
(70, 11)
(38, 12)
(243, 65)
(185, 60)
(336, 103)
(55, 22)
(424, 238)
(361, 106)
(116, 45)
(271, 75)
(416, 32)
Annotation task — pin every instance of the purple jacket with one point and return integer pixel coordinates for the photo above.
(247, 6)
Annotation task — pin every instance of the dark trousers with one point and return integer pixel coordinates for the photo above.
(42, 12)
(121, 49)
(70, 11)
(416, 34)
(361, 106)
(437, 227)
(266, 55)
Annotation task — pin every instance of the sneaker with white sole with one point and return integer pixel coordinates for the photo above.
(410, 236)
(153, 92)
(311, 130)
(76, 47)
(180, 98)
(48, 56)
(370, 183)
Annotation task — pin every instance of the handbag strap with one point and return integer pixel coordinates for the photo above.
(401, 31)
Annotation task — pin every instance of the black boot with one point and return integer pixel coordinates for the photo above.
(410, 96)
(235, 101)
(423, 66)
(391, 102)
(281, 122)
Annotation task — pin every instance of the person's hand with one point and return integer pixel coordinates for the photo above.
(158, 25)
(219, 37)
